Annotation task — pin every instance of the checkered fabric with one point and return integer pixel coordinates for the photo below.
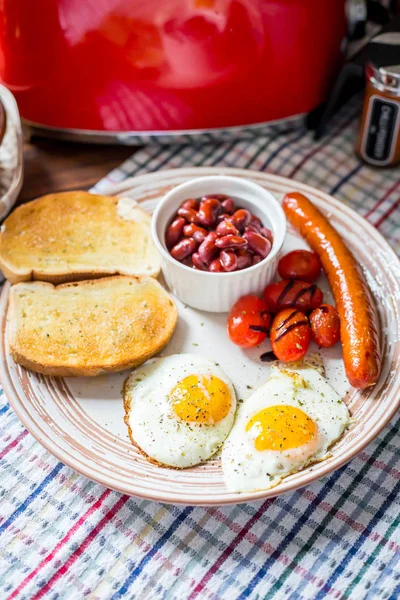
(63, 536)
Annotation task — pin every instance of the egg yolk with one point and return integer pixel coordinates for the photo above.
(201, 399)
(282, 427)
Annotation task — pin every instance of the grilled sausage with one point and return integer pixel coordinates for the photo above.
(358, 323)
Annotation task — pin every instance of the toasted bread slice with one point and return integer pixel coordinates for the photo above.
(76, 235)
(89, 327)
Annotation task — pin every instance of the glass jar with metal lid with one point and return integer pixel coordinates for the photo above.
(379, 140)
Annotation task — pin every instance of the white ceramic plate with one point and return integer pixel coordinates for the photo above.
(81, 420)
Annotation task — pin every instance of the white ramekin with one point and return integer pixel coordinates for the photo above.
(217, 292)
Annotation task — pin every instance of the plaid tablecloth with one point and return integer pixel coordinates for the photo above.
(62, 536)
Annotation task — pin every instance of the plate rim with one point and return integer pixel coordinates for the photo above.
(17, 401)
(120, 187)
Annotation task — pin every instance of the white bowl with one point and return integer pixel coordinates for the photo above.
(217, 292)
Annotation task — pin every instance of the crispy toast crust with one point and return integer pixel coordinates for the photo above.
(73, 236)
(28, 350)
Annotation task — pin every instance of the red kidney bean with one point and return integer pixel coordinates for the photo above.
(267, 233)
(241, 218)
(258, 243)
(174, 232)
(224, 217)
(230, 241)
(228, 206)
(196, 232)
(187, 261)
(208, 212)
(189, 214)
(197, 262)
(199, 236)
(207, 249)
(226, 228)
(252, 228)
(255, 222)
(228, 260)
(183, 249)
(190, 203)
(256, 259)
(215, 266)
(216, 196)
(244, 258)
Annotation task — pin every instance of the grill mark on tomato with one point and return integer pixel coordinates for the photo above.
(285, 290)
(290, 328)
(260, 328)
(295, 312)
(312, 289)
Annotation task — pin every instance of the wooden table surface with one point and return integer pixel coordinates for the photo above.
(52, 166)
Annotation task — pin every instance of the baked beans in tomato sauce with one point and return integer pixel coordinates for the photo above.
(213, 234)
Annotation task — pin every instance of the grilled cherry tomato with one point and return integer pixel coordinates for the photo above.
(292, 293)
(290, 335)
(248, 322)
(300, 264)
(325, 325)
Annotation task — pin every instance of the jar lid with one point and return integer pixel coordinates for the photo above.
(384, 61)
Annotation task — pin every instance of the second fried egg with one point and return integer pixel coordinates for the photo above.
(286, 424)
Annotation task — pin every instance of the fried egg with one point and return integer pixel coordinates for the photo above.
(286, 424)
(179, 409)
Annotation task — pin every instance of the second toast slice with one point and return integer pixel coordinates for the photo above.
(90, 327)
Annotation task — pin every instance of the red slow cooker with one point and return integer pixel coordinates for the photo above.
(119, 69)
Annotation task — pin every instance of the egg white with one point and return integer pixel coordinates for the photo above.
(154, 426)
(247, 469)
